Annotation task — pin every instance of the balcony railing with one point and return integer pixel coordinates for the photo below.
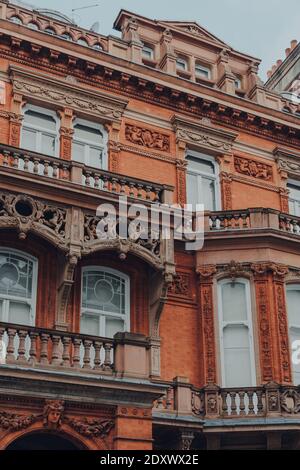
(40, 348)
(78, 173)
(213, 402)
(251, 219)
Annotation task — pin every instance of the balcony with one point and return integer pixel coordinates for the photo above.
(213, 404)
(15, 161)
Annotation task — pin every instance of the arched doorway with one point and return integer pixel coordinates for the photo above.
(43, 441)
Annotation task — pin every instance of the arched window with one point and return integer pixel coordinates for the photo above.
(202, 181)
(90, 144)
(40, 130)
(18, 285)
(293, 302)
(98, 47)
(105, 303)
(16, 20)
(236, 334)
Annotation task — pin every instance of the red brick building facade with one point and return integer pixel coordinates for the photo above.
(131, 344)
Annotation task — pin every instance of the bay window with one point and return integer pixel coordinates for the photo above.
(236, 334)
(105, 303)
(40, 131)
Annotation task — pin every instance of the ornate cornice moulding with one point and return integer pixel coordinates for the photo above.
(66, 93)
(204, 135)
(287, 161)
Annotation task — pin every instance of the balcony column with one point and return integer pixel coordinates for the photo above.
(207, 328)
(66, 133)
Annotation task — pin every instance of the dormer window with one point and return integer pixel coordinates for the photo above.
(181, 64)
(66, 36)
(202, 71)
(98, 47)
(32, 25)
(16, 20)
(82, 42)
(50, 31)
(148, 52)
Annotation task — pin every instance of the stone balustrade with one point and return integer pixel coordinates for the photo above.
(40, 348)
(78, 173)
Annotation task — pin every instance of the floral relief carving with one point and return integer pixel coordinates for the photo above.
(290, 401)
(253, 168)
(147, 138)
(14, 422)
(181, 285)
(205, 139)
(91, 427)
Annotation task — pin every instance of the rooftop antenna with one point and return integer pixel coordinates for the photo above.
(82, 8)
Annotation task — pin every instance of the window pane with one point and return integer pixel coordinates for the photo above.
(103, 292)
(192, 190)
(19, 313)
(208, 194)
(237, 362)
(40, 120)
(234, 302)
(78, 152)
(95, 157)
(295, 336)
(90, 325)
(48, 144)
(294, 191)
(293, 303)
(87, 134)
(200, 166)
(1, 311)
(15, 275)
(29, 139)
(113, 326)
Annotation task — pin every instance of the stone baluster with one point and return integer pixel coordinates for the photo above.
(22, 349)
(76, 353)
(242, 403)
(16, 160)
(66, 351)
(33, 342)
(10, 356)
(56, 354)
(107, 359)
(251, 403)
(97, 360)
(44, 348)
(233, 404)
(87, 354)
(224, 403)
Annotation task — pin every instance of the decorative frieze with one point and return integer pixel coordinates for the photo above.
(253, 168)
(181, 286)
(147, 138)
(181, 166)
(226, 190)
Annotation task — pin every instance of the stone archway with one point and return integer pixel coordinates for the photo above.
(44, 441)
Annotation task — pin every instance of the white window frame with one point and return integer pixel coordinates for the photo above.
(104, 315)
(7, 298)
(147, 48)
(41, 130)
(248, 324)
(291, 286)
(238, 83)
(183, 61)
(294, 202)
(87, 143)
(201, 174)
(203, 68)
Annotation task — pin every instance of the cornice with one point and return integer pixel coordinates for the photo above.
(248, 117)
(287, 161)
(35, 85)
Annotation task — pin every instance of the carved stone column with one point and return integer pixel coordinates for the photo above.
(66, 133)
(280, 320)
(15, 120)
(207, 328)
(181, 166)
(284, 200)
(114, 146)
(263, 292)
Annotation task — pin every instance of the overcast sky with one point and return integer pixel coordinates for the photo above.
(262, 28)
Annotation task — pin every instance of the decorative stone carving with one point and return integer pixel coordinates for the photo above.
(53, 412)
(66, 94)
(206, 307)
(253, 168)
(147, 138)
(234, 269)
(226, 188)
(206, 272)
(181, 166)
(282, 331)
(198, 403)
(180, 285)
(186, 440)
(90, 427)
(265, 340)
(27, 214)
(14, 422)
(203, 135)
(290, 401)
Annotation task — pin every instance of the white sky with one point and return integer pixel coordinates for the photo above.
(262, 28)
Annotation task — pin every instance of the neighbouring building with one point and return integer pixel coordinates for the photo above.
(141, 343)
